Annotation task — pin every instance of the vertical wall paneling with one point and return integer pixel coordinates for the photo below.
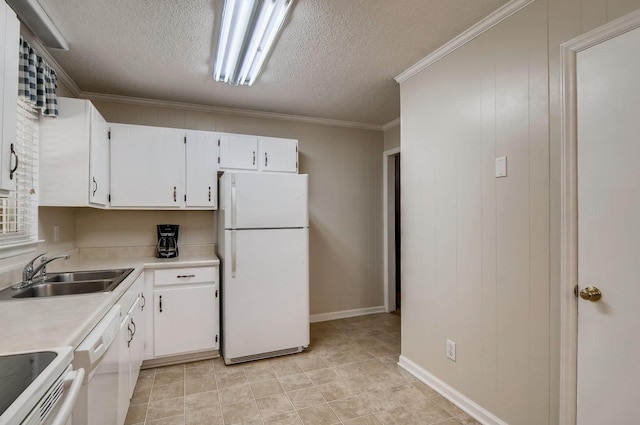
(489, 354)
(539, 289)
(481, 259)
(481, 102)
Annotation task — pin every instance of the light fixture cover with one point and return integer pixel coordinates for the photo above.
(34, 16)
(248, 30)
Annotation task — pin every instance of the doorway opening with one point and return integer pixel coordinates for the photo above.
(392, 230)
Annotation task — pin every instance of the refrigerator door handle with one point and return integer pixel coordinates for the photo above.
(233, 202)
(233, 254)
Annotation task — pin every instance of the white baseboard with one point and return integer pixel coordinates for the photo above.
(469, 406)
(323, 317)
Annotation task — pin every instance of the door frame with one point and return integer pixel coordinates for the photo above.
(388, 226)
(569, 208)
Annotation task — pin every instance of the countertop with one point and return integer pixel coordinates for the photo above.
(43, 323)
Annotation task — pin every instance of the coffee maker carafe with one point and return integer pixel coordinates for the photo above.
(167, 241)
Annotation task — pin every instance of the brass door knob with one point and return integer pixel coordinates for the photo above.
(590, 293)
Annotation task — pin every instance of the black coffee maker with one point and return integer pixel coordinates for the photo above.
(167, 241)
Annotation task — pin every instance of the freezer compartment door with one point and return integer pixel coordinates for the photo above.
(262, 200)
(265, 291)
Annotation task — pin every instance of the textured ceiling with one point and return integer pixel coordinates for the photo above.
(335, 59)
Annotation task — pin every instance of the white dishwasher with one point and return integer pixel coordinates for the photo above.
(98, 355)
(38, 388)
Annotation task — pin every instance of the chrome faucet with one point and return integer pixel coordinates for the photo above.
(29, 272)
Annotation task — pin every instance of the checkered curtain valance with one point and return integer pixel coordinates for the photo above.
(37, 81)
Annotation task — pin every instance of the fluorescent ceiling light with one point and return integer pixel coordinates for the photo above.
(248, 30)
(34, 16)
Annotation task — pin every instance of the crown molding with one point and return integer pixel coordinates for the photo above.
(77, 92)
(227, 111)
(484, 25)
(391, 124)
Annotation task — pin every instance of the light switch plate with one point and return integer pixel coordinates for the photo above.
(501, 166)
(451, 350)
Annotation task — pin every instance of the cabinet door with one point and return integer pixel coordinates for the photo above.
(185, 320)
(147, 166)
(238, 152)
(202, 169)
(124, 335)
(136, 347)
(98, 160)
(9, 40)
(278, 155)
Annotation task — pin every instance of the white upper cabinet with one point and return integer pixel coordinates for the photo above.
(98, 160)
(238, 152)
(202, 169)
(254, 153)
(9, 41)
(278, 155)
(74, 156)
(147, 166)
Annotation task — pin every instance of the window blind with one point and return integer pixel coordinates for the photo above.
(19, 212)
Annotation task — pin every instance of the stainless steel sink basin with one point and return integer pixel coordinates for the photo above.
(69, 288)
(70, 283)
(87, 275)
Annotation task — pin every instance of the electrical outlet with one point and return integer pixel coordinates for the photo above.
(56, 233)
(451, 350)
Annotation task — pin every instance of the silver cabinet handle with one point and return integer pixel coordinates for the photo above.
(130, 335)
(209, 193)
(95, 186)
(254, 158)
(15, 167)
(160, 303)
(266, 160)
(174, 194)
(144, 301)
(133, 332)
(185, 276)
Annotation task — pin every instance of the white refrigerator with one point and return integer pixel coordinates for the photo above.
(263, 245)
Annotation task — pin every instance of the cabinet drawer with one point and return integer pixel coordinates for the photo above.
(185, 275)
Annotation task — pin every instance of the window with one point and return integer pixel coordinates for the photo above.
(19, 212)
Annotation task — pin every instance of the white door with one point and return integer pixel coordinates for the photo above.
(124, 335)
(260, 201)
(238, 152)
(136, 347)
(608, 96)
(147, 166)
(202, 169)
(9, 40)
(99, 159)
(279, 155)
(265, 292)
(184, 320)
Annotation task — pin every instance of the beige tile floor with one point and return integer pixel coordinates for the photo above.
(347, 376)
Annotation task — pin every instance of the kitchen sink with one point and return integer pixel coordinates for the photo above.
(69, 283)
(87, 275)
(67, 288)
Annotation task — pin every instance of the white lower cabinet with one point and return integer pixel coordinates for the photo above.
(132, 338)
(185, 311)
